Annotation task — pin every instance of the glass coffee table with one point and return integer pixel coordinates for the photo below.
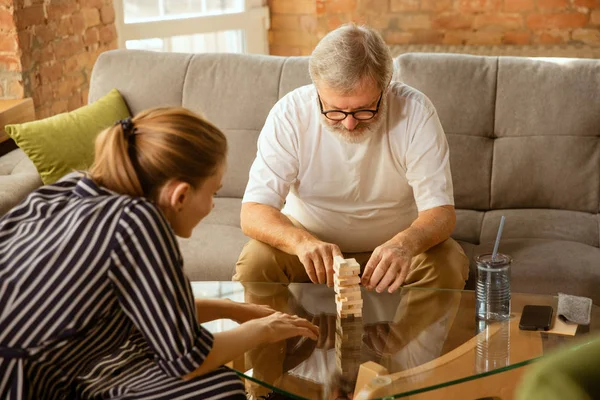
(408, 342)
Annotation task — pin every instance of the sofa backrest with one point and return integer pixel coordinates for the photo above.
(523, 136)
(523, 133)
(235, 92)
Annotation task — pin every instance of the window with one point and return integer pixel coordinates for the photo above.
(193, 26)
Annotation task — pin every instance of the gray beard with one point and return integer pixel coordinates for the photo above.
(361, 132)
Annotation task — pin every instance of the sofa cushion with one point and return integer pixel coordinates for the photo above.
(468, 226)
(18, 177)
(216, 243)
(470, 163)
(462, 88)
(560, 172)
(213, 88)
(242, 145)
(226, 212)
(212, 251)
(294, 74)
(65, 142)
(145, 79)
(560, 225)
(547, 97)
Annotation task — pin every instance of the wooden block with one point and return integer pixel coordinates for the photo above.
(346, 281)
(344, 313)
(349, 325)
(338, 261)
(346, 266)
(344, 290)
(351, 262)
(366, 373)
(344, 326)
(356, 295)
(346, 271)
(356, 306)
(349, 303)
(349, 339)
(346, 351)
(340, 298)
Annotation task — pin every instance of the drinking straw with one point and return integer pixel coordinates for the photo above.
(495, 252)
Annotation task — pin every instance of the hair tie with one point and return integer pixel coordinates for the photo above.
(127, 126)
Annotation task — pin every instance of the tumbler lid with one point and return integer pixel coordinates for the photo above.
(501, 260)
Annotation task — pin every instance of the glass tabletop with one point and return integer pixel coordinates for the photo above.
(407, 342)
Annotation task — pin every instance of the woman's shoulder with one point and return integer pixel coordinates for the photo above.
(128, 207)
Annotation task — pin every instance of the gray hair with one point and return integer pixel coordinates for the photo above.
(349, 54)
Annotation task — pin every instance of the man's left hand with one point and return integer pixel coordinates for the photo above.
(387, 268)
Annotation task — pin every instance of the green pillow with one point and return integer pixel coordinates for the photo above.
(65, 142)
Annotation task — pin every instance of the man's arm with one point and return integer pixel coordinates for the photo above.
(389, 264)
(267, 224)
(431, 227)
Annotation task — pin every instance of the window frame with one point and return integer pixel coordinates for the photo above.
(254, 22)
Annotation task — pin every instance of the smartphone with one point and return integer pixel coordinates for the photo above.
(535, 318)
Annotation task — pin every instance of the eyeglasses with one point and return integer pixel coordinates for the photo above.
(360, 115)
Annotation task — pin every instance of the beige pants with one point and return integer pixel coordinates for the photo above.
(443, 266)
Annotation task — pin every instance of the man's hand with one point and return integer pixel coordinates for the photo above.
(387, 268)
(317, 258)
(383, 338)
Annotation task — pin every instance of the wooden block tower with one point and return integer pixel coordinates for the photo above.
(346, 280)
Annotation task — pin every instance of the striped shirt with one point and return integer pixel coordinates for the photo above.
(94, 302)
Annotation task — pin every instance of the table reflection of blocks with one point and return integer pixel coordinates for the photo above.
(346, 284)
(348, 340)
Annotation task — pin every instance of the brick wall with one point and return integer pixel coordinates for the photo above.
(58, 43)
(10, 63)
(297, 25)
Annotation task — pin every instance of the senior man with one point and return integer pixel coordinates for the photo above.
(353, 165)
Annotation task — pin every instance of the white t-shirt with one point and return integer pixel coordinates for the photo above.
(356, 195)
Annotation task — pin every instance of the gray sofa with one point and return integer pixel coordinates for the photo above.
(523, 135)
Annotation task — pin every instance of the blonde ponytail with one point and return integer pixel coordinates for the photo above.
(137, 156)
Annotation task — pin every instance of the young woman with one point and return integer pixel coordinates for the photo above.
(94, 302)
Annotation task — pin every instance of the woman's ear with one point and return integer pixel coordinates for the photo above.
(179, 195)
(173, 195)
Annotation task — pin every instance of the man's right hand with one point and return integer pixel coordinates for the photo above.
(317, 258)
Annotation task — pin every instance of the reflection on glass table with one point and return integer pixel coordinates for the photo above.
(407, 342)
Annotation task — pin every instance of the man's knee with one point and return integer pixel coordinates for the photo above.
(443, 266)
(257, 263)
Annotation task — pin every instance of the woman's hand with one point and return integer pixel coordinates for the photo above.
(279, 326)
(244, 312)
